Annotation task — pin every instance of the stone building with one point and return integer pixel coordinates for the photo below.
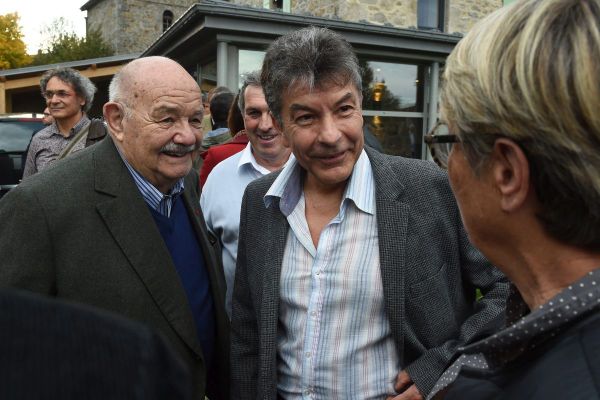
(132, 25)
(401, 45)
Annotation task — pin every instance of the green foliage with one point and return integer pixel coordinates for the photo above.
(64, 45)
(13, 53)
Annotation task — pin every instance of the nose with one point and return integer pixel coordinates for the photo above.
(266, 122)
(186, 134)
(329, 132)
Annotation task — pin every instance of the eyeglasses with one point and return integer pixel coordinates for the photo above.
(61, 94)
(440, 143)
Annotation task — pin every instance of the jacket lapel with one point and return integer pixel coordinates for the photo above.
(276, 227)
(392, 225)
(128, 219)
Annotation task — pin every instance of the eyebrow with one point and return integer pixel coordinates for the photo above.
(165, 109)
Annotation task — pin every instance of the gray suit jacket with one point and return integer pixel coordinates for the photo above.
(81, 231)
(428, 268)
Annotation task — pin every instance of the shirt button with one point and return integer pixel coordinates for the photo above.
(307, 354)
(307, 392)
(313, 313)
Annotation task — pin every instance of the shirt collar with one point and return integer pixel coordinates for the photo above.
(287, 187)
(74, 130)
(152, 196)
(571, 303)
(247, 158)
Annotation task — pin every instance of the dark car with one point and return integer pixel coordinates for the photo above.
(15, 134)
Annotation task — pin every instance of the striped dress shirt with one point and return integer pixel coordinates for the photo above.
(334, 337)
(154, 198)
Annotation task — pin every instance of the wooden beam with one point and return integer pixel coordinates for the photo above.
(34, 81)
(2, 99)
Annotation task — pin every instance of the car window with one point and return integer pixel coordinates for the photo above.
(15, 135)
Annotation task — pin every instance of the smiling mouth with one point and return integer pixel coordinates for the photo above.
(331, 158)
(177, 154)
(266, 137)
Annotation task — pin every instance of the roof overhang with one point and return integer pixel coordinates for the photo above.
(209, 21)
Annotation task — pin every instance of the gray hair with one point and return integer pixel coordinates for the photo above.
(529, 72)
(308, 57)
(251, 79)
(82, 85)
(116, 93)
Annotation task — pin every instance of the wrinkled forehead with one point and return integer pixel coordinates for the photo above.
(174, 96)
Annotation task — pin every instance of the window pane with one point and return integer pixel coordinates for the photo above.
(392, 87)
(397, 136)
(248, 61)
(428, 14)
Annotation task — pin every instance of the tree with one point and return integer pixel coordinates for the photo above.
(64, 45)
(13, 53)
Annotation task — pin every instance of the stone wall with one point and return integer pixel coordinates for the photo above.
(105, 17)
(398, 13)
(463, 14)
(133, 25)
(251, 3)
(460, 14)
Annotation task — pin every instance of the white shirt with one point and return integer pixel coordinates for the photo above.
(221, 202)
(334, 338)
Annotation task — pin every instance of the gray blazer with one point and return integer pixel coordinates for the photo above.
(81, 231)
(428, 268)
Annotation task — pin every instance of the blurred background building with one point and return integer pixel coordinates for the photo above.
(401, 44)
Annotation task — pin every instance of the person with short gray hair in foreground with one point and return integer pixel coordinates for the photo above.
(520, 136)
(355, 278)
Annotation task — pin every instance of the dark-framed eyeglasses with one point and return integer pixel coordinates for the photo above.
(440, 142)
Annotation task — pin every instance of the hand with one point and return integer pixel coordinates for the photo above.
(407, 389)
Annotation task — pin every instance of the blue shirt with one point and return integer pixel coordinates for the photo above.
(156, 200)
(221, 202)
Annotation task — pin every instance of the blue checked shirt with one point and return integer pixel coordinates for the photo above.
(335, 340)
(156, 200)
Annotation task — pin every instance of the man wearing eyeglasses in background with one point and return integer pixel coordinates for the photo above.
(69, 95)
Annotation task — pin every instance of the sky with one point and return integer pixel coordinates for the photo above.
(35, 14)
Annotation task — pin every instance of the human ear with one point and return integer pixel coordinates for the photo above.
(511, 174)
(114, 115)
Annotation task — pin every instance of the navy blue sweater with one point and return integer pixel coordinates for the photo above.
(186, 252)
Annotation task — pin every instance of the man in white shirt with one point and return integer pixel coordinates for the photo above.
(222, 194)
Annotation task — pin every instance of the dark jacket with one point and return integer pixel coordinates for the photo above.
(429, 273)
(567, 367)
(81, 231)
(55, 350)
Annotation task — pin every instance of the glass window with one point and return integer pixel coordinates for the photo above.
(430, 14)
(167, 19)
(396, 135)
(248, 61)
(392, 86)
